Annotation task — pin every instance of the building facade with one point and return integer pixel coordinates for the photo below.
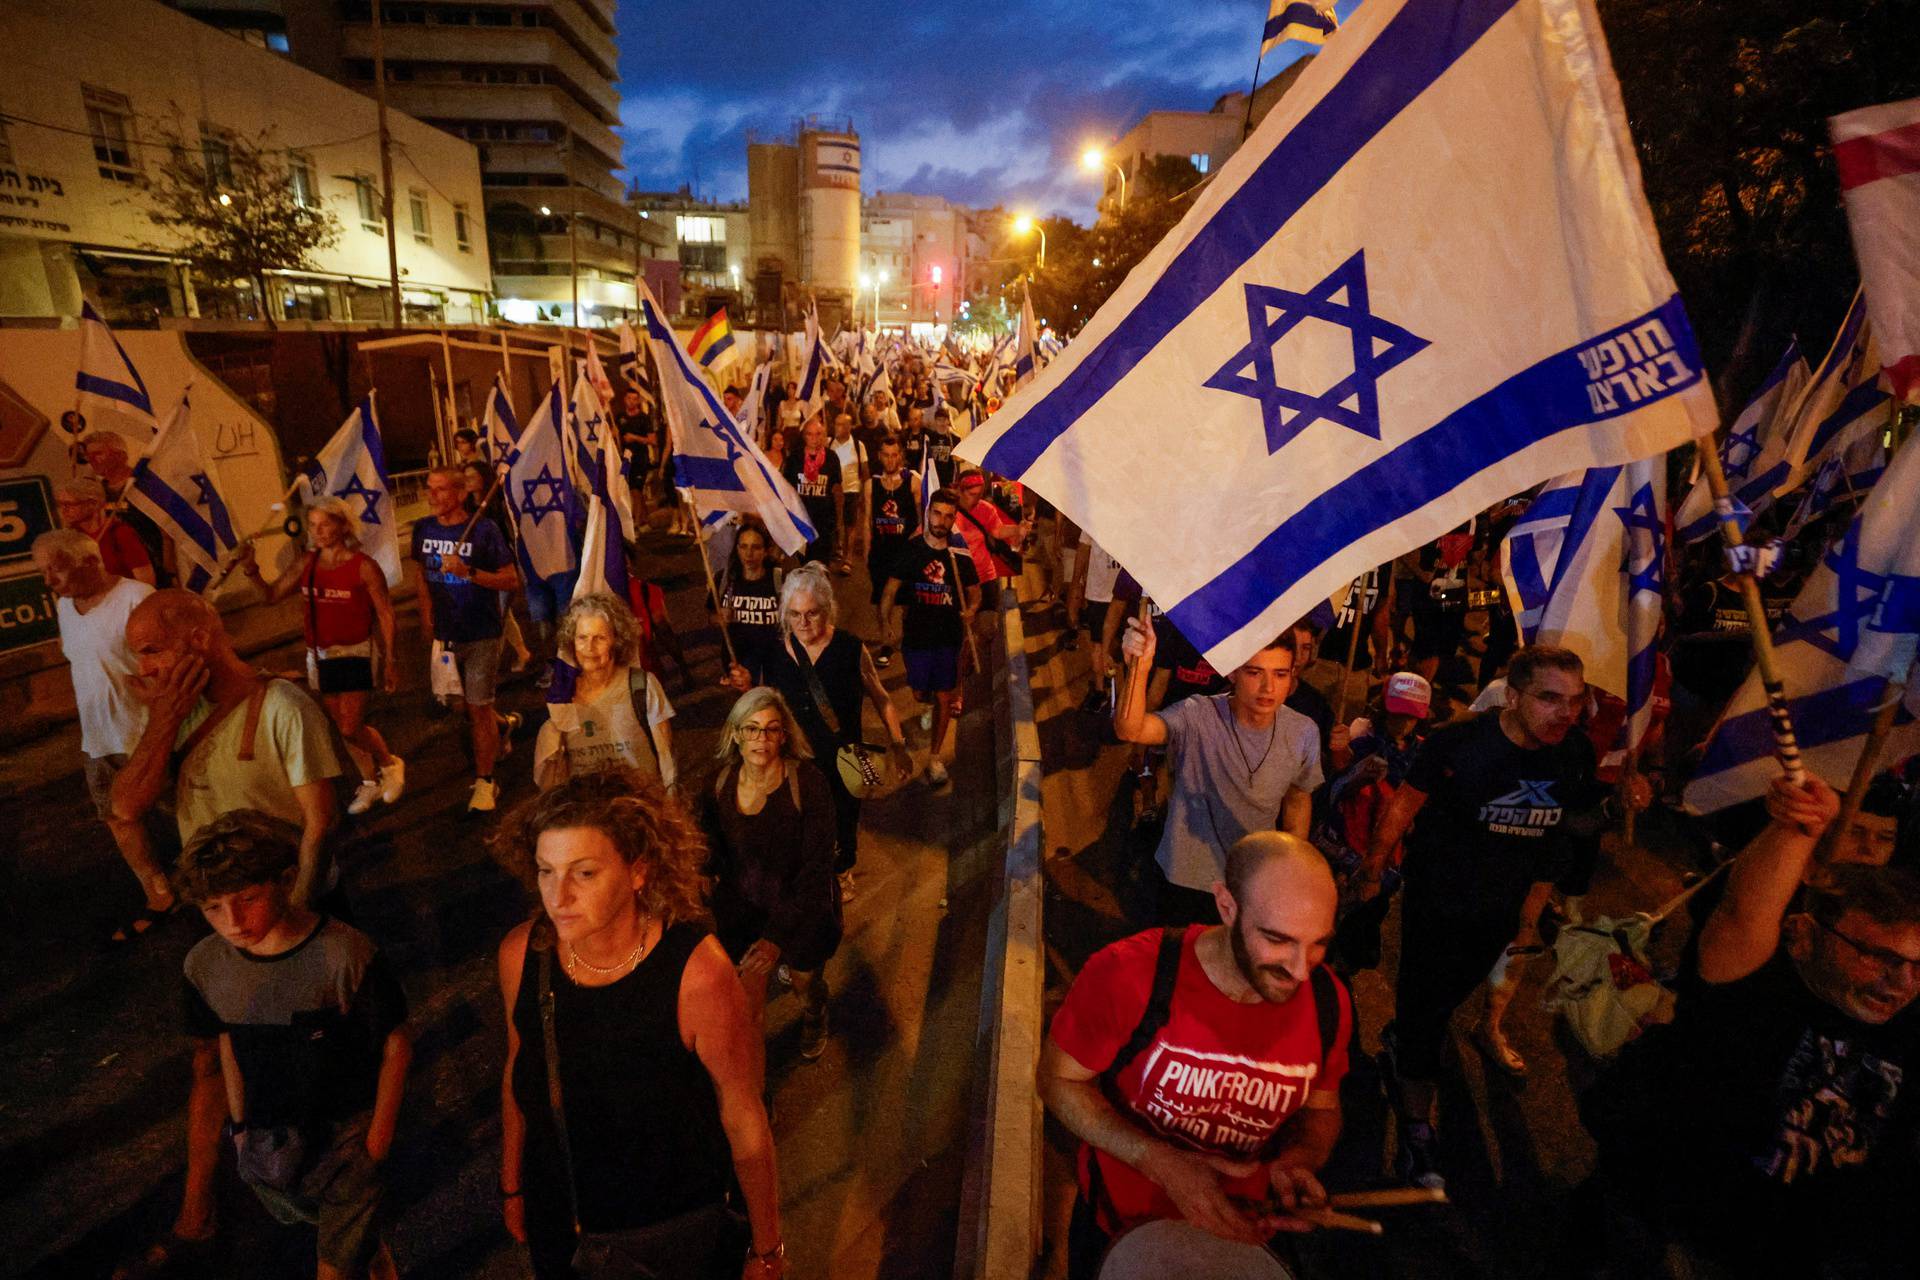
(81, 118)
(711, 242)
(803, 207)
(914, 258)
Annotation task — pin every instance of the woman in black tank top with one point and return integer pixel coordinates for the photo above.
(664, 1129)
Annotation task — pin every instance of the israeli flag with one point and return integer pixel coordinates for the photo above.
(106, 381)
(1753, 454)
(1843, 398)
(353, 468)
(1296, 20)
(755, 423)
(599, 445)
(929, 484)
(1026, 348)
(1302, 381)
(1889, 549)
(500, 429)
(596, 374)
(175, 487)
(1846, 475)
(632, 370)
(603, 560)
(1852, 628)
(814, 363)
(713, 460)
(1585, 568)
(539, 494)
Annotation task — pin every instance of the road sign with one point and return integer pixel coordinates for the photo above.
(26, 512)
(27, 613)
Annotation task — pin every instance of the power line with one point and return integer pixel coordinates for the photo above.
(10, 118)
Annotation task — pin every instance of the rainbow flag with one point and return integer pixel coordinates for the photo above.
(713, 338)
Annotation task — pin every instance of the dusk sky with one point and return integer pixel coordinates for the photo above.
(982, 103)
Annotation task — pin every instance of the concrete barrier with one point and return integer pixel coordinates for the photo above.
(1000, 1204)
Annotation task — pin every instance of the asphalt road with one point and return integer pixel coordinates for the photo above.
(1512, 1150)
(93, 1063)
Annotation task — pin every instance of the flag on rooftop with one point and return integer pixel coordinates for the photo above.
(713, 460)
(711, 340)
(1754, 452)
(1243, 465)
(1877, 151)
(106, 380)
(539, 493)
(353, 468)
(177, 488)
(1853, 625)
(1297, 20)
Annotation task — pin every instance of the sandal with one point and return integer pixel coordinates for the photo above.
(139, 925)
(171, 1255)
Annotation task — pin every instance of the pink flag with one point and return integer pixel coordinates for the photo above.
(1877, 151)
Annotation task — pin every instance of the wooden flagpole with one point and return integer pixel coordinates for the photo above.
(1356, 599)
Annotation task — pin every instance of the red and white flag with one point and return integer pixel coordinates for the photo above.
(1877, 151)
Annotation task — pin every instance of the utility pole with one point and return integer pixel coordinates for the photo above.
(573, 219)
(386, 166)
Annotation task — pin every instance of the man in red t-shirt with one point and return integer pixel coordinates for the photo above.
(1201, 1069)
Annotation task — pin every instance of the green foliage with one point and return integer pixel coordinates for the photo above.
(261, 226)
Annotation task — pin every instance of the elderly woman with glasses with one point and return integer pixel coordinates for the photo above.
(618, 715)
(770, 823)
(823, 673)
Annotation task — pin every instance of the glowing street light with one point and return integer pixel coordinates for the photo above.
(1095, 160)
(1025, 223)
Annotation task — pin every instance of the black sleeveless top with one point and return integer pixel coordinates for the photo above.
(642, 1114)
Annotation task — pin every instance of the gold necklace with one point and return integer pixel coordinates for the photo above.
(575, 958)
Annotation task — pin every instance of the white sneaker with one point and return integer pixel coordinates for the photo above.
(393, 779)
(484, 796)
(363, 796)
(936, 773)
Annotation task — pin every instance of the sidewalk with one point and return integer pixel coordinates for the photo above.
(93, 1063)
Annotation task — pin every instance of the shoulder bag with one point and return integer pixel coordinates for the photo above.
(863, 768)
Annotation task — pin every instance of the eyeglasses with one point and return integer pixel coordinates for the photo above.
(1890, 962)
(806, 615)
(753, 732)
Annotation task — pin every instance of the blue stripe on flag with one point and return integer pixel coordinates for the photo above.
(1533, 405)
(108, 389)
(1831, 715)
(694, 472)
(177, 508)
(1415, 49)
(1858, 401)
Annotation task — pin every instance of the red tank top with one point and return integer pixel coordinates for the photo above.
(338, 608)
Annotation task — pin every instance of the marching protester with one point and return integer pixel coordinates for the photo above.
(299, 1031)
(854, 471)
(94, 606)
(109, 457)
(81, 505)
(942, 594)
(348, 624)
(992, 537)
(823, 673)
(622, 713)
(633, 1136)
(464, 566)
(1129, 1053)
(770, 824)
(1767, 1129)
(1490, 809)
(893, 507)
(1242, 762)
(814, 473)
(749, 605)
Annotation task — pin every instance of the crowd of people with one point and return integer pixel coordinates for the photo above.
(1198, 1063)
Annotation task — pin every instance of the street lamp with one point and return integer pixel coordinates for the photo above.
(1025, 223)
(1093, 160)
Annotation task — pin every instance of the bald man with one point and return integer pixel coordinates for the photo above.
(1200, 1067)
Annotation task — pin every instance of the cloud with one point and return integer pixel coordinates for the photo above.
(984, 104)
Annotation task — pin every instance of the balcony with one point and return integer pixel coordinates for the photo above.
(506, 46)
(447, 100)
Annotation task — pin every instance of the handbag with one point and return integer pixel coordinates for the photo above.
(272, 1156)
(701, 1244)
(863, 769)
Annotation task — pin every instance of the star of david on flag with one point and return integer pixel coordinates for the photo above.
(173, 485)
(1273, 313)
(1754, 454)
(537, 486)
(1305, 378)
(353, 466)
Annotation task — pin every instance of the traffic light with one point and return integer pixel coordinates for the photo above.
(935, 273)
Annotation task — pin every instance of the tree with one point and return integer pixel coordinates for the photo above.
(1085, 265)
(229, 206)
(1728, 104)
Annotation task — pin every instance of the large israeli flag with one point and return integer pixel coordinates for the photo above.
(713, 460)
(1305, 378)
(539, 494)
(1853, 625)
(176, 487)
(1754, 452)
(353, 468)
(1585, 568)
(106, 381)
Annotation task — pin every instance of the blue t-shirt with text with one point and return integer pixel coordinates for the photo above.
(463, 610)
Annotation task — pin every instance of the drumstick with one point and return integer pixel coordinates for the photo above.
(1387, 1198)
(1342, 1221)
